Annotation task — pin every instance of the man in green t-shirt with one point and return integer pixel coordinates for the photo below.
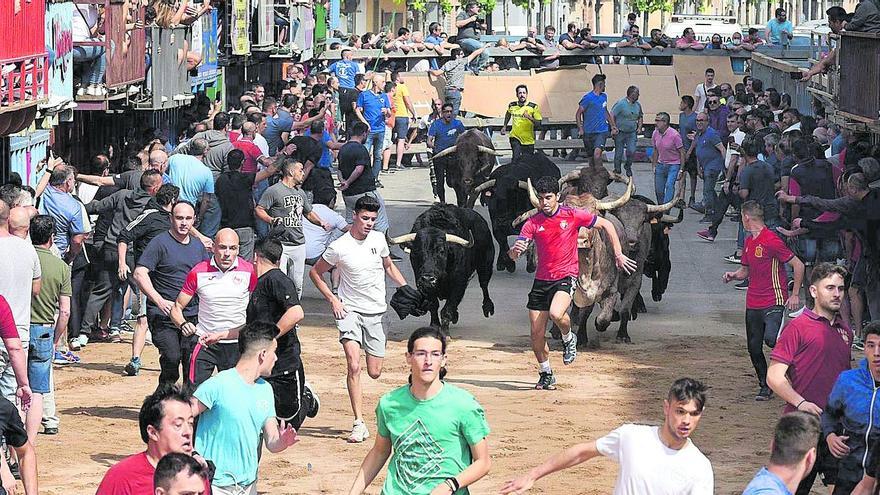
(46, 331)
(437, 430)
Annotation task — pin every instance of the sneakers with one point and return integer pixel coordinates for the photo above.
(379, 184)
(569, 349)
(48, 430)
(114, 335)
(764, 394)
(546, 381)
(78, 343)
(133, 367)
(706, 235)
(359, 432)
(64, 358)
(316, 402)
(744, 285)
(733, 258)
(858, 344)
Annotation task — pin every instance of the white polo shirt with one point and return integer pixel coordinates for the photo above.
(223, 296)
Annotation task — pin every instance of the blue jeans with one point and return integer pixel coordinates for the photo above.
(665, 176)
(210, 224)
(710, 177)
(92, 57)
(41, 350)
(453, 97)
(468, 45)
(374, 146)
(262, 228)
(624, 141)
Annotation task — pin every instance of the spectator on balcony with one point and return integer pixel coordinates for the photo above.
(688, 40)
(434, 41)
(505, 63)
(88, 24)
(550, 57)
(659, 41)
(753, 38)
(866, 18)
(779, 29)
(632, 38)
(715, 43)
(533, 45)
(470, 25)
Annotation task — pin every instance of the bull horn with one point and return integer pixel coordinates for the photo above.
(402, 238)
(617, 177)
(525, 216)
(485, 185)
(617, 203)
(486, 149)
(533, 196)
(570, 177)
(445, 152)
(665, 206)
(458, 240)
(671, 219)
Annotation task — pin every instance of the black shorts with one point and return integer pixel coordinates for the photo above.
(543, 291)
(289, 391)
(690, 165)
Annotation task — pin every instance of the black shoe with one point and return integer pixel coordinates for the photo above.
(764, 394)
(744, 285)
(313, 397)
(546, 381)
(379, 184)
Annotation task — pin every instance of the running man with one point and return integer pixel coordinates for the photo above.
(362, 259)
(526, 116)
(555, 231)
(653, 459)
(763, 260)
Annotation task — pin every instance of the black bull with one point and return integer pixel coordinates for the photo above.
(506, 199)
(467, 163)
(446, 246)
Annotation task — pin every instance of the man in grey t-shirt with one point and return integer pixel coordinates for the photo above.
(283, 206)
(470, 25)
(453, 72)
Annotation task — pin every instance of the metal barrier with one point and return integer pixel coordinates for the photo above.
(22, 154)
(168, 78)
(859, 90)
(777, 74)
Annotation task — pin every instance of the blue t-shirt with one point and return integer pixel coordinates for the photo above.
(594, 112)
(776, 28)
(192, 177)
(275, 126)
(326, 157)
(686, 125)
(345, 70)
(69, 214)
(169, 262)
(708, 155)
(766, 483)
(434, 40)
(372, 104)
(229, 430)
(445, 134)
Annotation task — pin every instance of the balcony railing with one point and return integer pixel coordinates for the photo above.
(859, 76)
(23, 61)
(168, 79)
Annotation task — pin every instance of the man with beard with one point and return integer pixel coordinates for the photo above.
(653, 459)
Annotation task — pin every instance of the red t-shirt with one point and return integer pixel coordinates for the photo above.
(132, 476)
(556, 240)
(816, 351)
(766, 256)
(7, 321)
(251, 154)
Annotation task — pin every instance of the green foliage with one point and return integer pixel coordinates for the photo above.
(446, 5)
(648, 6)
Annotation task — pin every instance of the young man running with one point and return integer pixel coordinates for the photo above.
(762, 262)
(363, 260)
(555, 230)
(653, 459)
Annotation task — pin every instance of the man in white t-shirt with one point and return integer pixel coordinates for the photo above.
(654, 460)
(361, 257)
(701, 92)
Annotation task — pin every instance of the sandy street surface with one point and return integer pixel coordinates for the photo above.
(695, 331)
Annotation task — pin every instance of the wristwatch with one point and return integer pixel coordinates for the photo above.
(452, 483)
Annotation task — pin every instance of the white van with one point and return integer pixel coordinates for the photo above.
(704, 26)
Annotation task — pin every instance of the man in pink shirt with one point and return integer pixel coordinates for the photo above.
(253, 155)
(689, 40)
(669, 154)
(555, 231)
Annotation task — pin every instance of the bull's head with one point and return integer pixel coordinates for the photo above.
(636, 214)
(599, 204)
(475, 154)
(429, 251)
(590, 180)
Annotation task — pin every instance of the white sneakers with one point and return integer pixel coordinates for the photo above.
(359, 432)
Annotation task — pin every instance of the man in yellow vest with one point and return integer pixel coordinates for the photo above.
(526, 116)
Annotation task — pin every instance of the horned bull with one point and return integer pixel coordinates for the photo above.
(468, 164)
(446, 246)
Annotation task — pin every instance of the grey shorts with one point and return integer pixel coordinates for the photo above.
(364, 329)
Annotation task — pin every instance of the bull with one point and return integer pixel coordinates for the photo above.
(446, 245)
(505, 196)
(468, 163)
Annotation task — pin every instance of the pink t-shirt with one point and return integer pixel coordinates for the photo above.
(667, 146)
(556, 240)
(251, 152)
(7, 321)
(816, 351)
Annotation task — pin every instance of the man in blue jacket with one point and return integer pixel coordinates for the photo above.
(851, 419)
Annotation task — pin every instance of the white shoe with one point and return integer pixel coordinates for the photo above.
(83, 340)
(359, 432)
(81, 91)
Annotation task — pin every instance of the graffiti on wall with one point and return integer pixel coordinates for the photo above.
(59, 45)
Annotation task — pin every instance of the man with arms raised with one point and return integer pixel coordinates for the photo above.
(653, 459)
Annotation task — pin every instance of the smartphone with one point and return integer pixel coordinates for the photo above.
(796, 75)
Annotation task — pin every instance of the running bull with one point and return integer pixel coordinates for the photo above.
(446, 246)
(505, 195)
(467, 163)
